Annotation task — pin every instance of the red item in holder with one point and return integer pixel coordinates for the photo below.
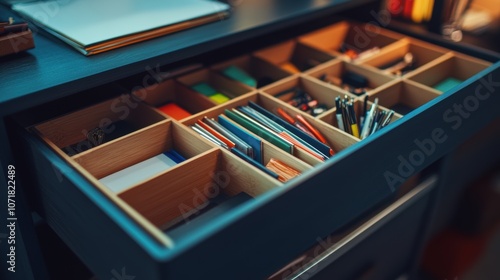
(174, 111)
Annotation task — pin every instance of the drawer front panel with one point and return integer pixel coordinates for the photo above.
(384, 253)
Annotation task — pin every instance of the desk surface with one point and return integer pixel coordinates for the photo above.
(53, 69)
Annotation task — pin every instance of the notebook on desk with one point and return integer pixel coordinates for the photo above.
(95, 26)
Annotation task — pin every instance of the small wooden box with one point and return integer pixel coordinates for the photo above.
(16, 42)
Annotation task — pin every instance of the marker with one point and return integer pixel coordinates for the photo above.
(291, 121)
(387, 119)
(345, 117)
(315, 132)
(338, 113)
(353, 122)
(369, 119)
(363, 116)
(377, 122)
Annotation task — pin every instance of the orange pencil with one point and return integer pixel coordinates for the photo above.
(314, 131)
(226, 141)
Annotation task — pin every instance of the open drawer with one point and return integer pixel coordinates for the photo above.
(136, 230)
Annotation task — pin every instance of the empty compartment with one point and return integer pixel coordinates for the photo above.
(448, 72)
(173, 99)
(350, 38)
(260, 72)
(293, 57)
(358, 106)
(408, 56)
(349, 77)
(212, 86)
(404, 96)
(306, 94)
(98, 124)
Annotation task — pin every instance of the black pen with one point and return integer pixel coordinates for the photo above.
(388, 118)
(377, 122)
(345, 117)
(363, 115)
(365, 105)
(338, 113)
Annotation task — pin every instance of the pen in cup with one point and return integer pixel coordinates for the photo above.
(338, 113)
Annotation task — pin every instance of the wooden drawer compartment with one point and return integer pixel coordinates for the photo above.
(114, 119)
(262, 71)
(333, 72)
(293, 56)
(229, 88)
(455, 66)
(356, 36)
(404, 96)
(171, 91)
(421, 53)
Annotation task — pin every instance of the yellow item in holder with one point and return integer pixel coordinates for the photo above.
(219, 98)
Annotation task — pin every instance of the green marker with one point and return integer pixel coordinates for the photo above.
(447, 84)
(204, 89)
(240, 75)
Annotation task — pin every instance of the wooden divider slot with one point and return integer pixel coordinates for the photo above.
(404, 96)
(316, 89)
(457, 66)
(171, 91)
(72, 128)
(228, 87)
(301, 56)
(257, 68)
(243, 177)
(422, 53)
(163, 197)
(336, 69)
(357, 36)
(139, 146)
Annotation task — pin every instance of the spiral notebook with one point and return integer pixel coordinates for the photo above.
(95, 26)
